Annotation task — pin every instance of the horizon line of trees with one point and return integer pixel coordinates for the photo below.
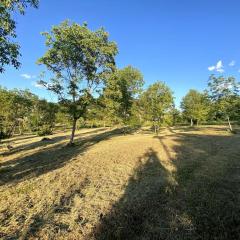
(122, 102)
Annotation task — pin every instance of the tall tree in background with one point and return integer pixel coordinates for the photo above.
(122, 87)
(224, 92)
(9, 50)
(157, 100)
(195, 106)
(80, 60)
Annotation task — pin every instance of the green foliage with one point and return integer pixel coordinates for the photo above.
(137, 115)
(45, 130)
(195, 106)
(80, 60)
(172, 118)
(222, 88)
(43, 116)
(95, 116)
(22, 111)
(224, 94)
(156, 102)
(15, 106)
(122, 88)
(9, 50)
(176, 116)
(63, 120)
(235, 109)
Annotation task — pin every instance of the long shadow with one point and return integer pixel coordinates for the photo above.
(23, 137)
(40, 143)
(46, 160)
(202, 203)
(33, 145)
(208, 174)
(142, 208)
(197, 128)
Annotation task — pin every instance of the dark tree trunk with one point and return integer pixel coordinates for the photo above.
(156, 127)
(11, 131)
(73, 131)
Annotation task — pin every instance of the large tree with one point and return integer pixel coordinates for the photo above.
(121, 89)
(224, 92)
(195, 106)
(80, 60)
(156, 101)
(9, 50)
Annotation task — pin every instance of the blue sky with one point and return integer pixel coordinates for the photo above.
(174, 41)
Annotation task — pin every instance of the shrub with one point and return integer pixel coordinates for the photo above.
(45, 130)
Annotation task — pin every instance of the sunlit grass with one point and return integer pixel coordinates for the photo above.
(181, 184)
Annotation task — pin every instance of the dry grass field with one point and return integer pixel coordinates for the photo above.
(182, 184)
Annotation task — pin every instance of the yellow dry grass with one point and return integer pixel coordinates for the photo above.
(182, 184)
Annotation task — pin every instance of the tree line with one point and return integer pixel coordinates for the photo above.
(122, 102)
(93, 91)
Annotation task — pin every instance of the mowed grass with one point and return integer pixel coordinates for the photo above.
(182, 184)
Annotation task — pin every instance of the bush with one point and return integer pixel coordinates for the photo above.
(4, 135)
(45, 130)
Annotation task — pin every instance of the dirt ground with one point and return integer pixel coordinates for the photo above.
(182, 184)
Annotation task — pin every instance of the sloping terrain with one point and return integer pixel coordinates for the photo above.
(182, 184)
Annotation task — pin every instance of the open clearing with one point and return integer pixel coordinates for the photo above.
(182, 184)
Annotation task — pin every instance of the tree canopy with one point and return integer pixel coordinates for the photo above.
(121, 89)
(195, 106)
(80, 60)
(9, 49)
(156, 101)
(224, 93)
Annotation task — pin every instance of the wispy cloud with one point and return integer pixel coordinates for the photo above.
(27, 76)
(218, 67)
(211, 68)
(37, 85)
(232, 63)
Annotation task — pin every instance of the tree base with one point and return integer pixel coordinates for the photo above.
(232, 131)
(71, 144)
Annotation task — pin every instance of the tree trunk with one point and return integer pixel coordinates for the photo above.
(73, 131)
(12, 130)
(191, 122)
(140, 118)
(124, 127)
(19, 129)
(156, 127)
(229, 124)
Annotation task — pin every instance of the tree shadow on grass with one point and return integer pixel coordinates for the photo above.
(48, 159)
(52, 140)
(136, 214)
(199, 200)
(26, 136)
(182, 129)
(31, 146)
